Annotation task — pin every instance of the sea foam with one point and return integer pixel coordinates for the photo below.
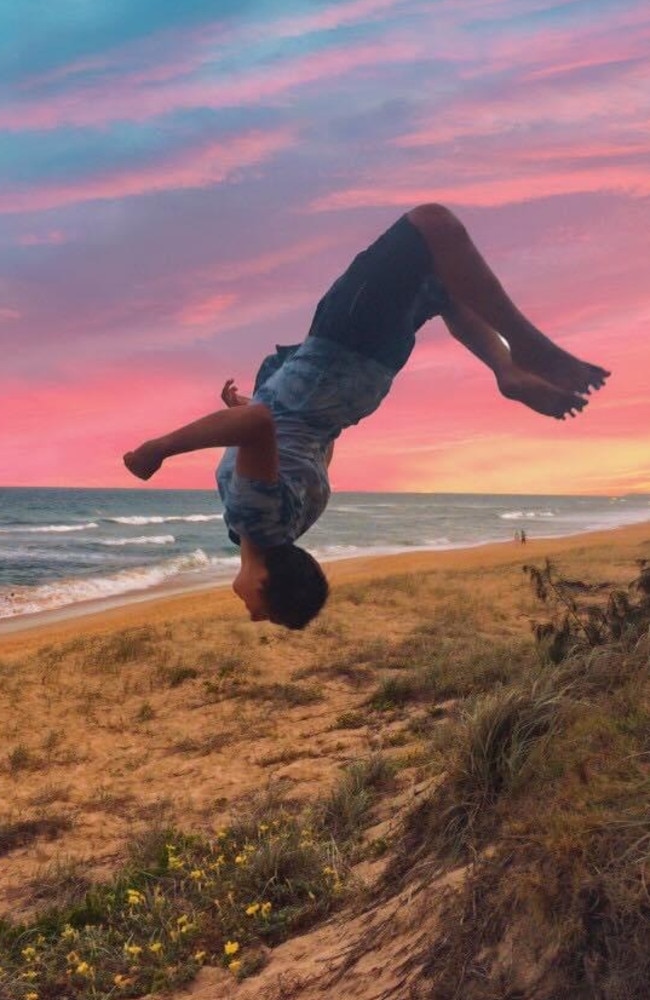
(30, 600)
(139, 519)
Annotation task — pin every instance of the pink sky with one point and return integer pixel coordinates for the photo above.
(180, 188)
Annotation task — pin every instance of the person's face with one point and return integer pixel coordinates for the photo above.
(249, 585)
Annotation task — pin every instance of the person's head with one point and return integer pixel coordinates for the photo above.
(296, 587)
(284, 585)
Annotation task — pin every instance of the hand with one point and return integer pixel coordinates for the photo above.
(230, 395)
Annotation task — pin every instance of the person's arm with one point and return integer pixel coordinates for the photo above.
(251, 429)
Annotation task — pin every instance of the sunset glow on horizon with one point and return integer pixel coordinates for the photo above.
(180, 187)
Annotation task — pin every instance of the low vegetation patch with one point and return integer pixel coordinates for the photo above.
(182, 900)
(22, 832)
(285, 694)
(544, 800)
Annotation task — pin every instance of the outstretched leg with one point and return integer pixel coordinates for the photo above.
(470, 281)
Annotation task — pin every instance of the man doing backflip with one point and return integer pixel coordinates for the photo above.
(273, 476)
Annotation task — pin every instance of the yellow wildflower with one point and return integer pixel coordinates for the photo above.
(234, 966)
(133, 949)
(121, 981)
(156, 947)
(185, 925)
(68, 933)
(252, 909)
(197, 874)
(29, 953)
(241, 859)
(231, 947)
(266, 909)
(83, 969)
(31, 996)
(133, 897)
(199, 956)
(263, 827)
(30, 974)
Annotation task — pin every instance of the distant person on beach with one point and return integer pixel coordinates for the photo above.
(523, 538)
(273, 478)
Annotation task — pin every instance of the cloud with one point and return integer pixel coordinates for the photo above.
(55, 237)
(492, 192)
(192, 168)
(8, 315)
(98, 105)
(205, 310)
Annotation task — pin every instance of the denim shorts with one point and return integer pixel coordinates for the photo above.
(388, 292)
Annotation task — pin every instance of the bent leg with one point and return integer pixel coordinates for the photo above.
(469, 280)
(513, 381)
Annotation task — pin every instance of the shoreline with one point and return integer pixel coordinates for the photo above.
(174, 601)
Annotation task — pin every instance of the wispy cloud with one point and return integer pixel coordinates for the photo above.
(95, 105)
(192, 168)
(53, 237)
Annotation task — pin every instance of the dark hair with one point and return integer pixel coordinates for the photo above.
(296, 589)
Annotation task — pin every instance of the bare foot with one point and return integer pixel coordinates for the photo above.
(560, 368)
(538, 394)
(144, 461)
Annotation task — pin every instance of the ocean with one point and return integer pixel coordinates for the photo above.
(62, 547)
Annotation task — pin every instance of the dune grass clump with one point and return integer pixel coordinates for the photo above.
(396, 692)
(178, 674)
(343, 813)
(350, 720)
(290, 695)
(120, 648)
(21, 832)
(430, 666)
(490, 748)
(499, 737)
(19, 759)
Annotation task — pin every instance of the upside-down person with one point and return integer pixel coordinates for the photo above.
(273, 478)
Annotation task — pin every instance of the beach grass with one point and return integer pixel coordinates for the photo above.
(448, 772)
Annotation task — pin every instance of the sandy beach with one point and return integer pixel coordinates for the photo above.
(176, 711)
(131, 610)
